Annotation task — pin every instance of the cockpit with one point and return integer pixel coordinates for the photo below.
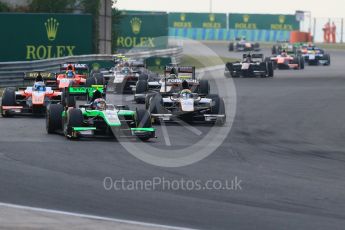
(39, 86)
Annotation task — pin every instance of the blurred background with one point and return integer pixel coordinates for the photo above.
(43, 29)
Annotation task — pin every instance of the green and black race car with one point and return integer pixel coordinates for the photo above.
(90, 120)
(285, 46)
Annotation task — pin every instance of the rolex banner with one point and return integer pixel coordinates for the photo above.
(147, 31)
(263, 22)
(197, 20)
(27, 37)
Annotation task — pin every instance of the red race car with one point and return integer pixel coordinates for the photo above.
(30, 100)
(286, 61)
(71, 75)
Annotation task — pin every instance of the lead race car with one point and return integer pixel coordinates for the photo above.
(287, 46)
(31, 100)
(187, 106)
(252, 65)
(171, 82)
(97, 118)
(241, 44)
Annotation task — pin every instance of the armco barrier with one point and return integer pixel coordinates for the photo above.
(230, 35)
(11, 73)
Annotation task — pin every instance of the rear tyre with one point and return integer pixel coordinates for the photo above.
(90, 81)
(231, 46)
(328, 58)
(67, 100)
(230, 67)
(143, 77)
(100, 80)
(141, 88)
(96, 79)
(302, 62)
(54, 118)
(147, 100)
(8, 99)
(155, 103)
(298, 60)
(270, 69)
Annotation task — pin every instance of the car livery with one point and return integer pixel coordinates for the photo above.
(79, 78)
(28, 101)
(315, 56)
(285, 61)
(171, 82)
(253, 65)
(187, 106)
(241, 45)
(86, 121)
(125, 74)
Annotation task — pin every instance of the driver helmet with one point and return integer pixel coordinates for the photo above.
(185, 85)
(39, 86)
(99, 104)
(173, 71)
(284, 53)
(249, 58)
(69, 67)
(186, 91)
(70, 73)
(185, 88)
(125, 70)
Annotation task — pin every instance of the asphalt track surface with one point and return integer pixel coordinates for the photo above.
(286, 146)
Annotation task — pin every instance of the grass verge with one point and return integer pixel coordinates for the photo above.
(340, 46)
(204, 61)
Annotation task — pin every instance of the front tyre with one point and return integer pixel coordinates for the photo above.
(143, 120)
(218, 108)
(74, 119)
(204, 87)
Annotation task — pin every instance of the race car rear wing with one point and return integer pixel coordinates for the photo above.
(75, 65)
(181, 69)
(137, 64)
(39, 75)
(93, 92)
(253, 56)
